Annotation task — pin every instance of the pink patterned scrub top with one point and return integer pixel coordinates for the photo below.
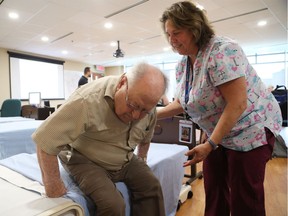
(221, 61)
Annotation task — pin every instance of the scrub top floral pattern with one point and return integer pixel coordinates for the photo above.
(221, 61)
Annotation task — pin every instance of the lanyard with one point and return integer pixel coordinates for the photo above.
(188, 83)
(188, 86)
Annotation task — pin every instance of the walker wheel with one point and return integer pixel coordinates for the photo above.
(179, 205)
(189, 195)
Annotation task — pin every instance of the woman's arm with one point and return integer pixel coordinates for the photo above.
(235, 95)
(172, 109)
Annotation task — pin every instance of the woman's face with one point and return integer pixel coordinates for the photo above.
(180, 39)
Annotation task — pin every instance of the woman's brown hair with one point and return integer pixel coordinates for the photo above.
(185, 15)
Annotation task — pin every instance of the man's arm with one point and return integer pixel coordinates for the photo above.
(52, 181)
(143, 150)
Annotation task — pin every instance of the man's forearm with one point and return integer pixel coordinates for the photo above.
(143, 150)
(54, 186)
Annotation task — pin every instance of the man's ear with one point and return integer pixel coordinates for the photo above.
(122, 81)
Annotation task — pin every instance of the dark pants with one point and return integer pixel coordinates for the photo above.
(144, 188)
(233, 180)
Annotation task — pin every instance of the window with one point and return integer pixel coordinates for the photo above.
(272, 68)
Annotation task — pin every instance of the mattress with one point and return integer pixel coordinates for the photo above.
(165, 160)
(15, 200)
(15, 135)
(14, 119)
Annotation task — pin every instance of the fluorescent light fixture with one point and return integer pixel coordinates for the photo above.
(65, 52)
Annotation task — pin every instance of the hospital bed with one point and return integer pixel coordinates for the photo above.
(15, 135)
(168, 131)
(20, 181)
(15, 138)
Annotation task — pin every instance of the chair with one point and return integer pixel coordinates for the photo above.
(11, 107)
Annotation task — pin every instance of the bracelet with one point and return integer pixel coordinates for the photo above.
(213, 145)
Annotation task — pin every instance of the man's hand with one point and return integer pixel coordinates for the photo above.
(143, 150)
(55, 188)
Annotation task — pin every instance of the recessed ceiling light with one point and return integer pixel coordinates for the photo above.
(166, 49)
(113, 44)
(199, 6)
(44, 38)
(64, 52)
(108, 25)
(13, 15)
(262, 23)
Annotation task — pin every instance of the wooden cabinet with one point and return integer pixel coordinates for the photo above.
(40, 113)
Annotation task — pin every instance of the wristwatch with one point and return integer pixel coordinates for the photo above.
(213, 145)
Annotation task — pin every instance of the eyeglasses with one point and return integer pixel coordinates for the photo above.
(133, 107)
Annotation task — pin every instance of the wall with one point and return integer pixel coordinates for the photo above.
(69, 66)
(114, 70)
(4, 76)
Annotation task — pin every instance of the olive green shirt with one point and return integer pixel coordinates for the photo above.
(88, 123)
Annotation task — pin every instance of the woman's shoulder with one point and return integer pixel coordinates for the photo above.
(221, 45)
(223, 41)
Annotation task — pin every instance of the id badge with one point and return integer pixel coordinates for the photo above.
(185, 131)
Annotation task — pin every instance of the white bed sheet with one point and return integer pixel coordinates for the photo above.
(165, 160)
(15, 200)
(15, 136)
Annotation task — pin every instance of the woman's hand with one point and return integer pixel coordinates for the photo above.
(198, 153)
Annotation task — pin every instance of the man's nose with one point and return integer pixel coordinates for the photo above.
(136, 114)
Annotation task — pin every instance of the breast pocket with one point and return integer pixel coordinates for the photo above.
(138, 135)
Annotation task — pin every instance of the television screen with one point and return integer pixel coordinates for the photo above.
(35, 98)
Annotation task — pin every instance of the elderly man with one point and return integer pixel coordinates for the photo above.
(99, 126)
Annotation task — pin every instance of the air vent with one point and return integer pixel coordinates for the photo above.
(126, 8)
(59, 38)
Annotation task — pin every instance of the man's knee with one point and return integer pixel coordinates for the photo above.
(115, 205)
(153, 189)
